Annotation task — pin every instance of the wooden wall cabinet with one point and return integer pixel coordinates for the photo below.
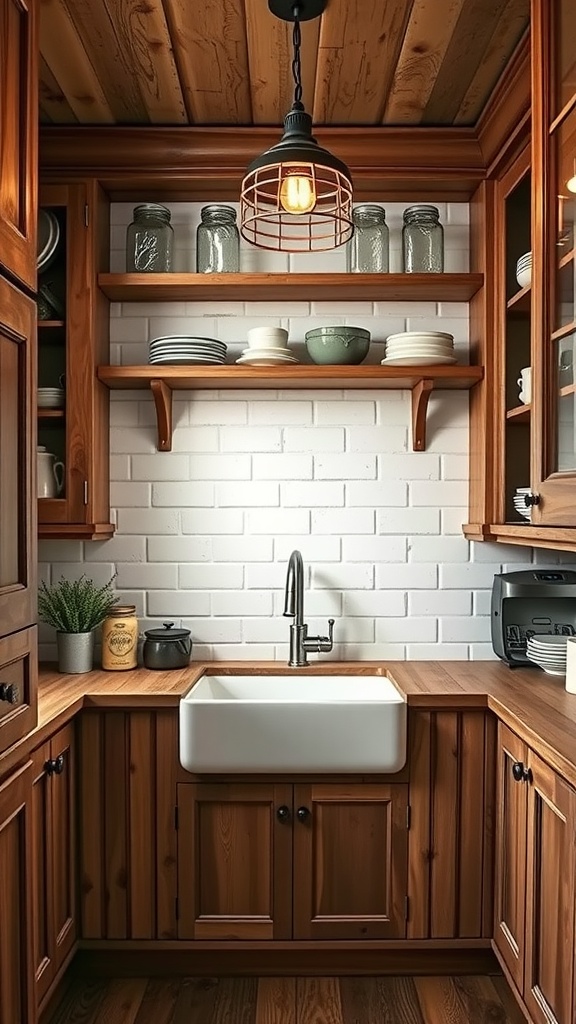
(55, 857)
(276, 861)
(18, 140)
(70, 347)
(535, 880)
(16, 913)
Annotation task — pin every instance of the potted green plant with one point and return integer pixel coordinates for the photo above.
(75, 608)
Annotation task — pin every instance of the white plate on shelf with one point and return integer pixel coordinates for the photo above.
(187, 360)
(419, 361)
(254, 359)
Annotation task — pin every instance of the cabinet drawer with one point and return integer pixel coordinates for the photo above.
(18, 686)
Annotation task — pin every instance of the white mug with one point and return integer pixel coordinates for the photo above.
(524, 382)
(571, 664)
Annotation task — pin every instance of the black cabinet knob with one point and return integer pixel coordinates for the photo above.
(520, 772)
(302, 814)
(55, 766)
(283, 814)
(9, 692)
(531, 499)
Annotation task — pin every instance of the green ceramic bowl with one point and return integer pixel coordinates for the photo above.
(338, 345)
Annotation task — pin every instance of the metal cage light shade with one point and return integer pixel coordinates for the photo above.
(297, 196)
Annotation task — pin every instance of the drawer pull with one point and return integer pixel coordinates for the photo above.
(521, 773)
(55, 766)
(283, 814)
(303, 814)
(9, 692)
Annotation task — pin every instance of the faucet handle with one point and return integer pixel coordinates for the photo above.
(320, 643)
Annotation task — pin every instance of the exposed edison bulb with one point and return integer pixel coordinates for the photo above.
(297, 192)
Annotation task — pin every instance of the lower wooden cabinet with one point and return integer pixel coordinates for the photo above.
(535, 880)
(16, 913)
(55, 856)
(269, 861)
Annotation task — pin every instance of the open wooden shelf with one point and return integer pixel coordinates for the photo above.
(163, 380)
(563, 332)
(520, 302)
(568, 389)
(566, 259)
(51, 414)
(51, 324)
(277, 287)
(557, 538)
(520, 414)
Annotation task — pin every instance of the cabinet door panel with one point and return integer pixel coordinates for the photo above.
(234, 862)
(550, 896)
(350, 862)
(43, 866)
(17, 493)
(64, 844)
(510, 866)
(18, 138)
(16, 938)
(19, 672)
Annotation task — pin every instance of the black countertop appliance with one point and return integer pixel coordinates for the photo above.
(527, 602)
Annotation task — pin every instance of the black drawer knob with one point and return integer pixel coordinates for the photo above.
(520, 772)
(283, 814)
(9, 692)
(531, 499)
(302, 814)
(55, 766)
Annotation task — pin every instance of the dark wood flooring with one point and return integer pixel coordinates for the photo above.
(381, 1000)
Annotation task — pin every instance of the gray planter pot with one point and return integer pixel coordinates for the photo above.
(75, 652)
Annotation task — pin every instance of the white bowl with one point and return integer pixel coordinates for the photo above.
(524, 277)
(267, 337)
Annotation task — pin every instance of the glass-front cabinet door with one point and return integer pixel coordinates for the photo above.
(554, 321)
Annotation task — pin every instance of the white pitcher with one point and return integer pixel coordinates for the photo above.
(50, 474)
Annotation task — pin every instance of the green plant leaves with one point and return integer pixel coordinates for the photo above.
(75, 606)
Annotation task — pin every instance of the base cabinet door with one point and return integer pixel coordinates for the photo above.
(234, 861)
(54, 844)
(16, 969)
(510, 861)
(350, 861)
(550, 895)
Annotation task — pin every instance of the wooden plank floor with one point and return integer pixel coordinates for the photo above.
(381, 1000)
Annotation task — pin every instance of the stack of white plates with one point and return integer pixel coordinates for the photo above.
(273, 355)
(51, 398)
(419, 348)
(48, 238)
(519, 503)
(549, 652)
(183, 350)
(524, 270)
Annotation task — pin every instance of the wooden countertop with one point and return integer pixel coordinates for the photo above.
(533, 704)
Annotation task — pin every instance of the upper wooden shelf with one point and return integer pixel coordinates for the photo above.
(163, 380)
(520, 301)
(276, 287)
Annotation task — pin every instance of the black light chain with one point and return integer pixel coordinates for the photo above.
(296, 70)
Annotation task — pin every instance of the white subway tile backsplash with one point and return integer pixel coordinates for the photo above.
(205, 531)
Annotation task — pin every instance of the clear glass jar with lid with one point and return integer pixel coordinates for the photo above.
(217, 241)
(149, 240)
(369, 248)
(422, 240)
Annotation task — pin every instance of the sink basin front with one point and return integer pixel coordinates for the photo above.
(293, 723)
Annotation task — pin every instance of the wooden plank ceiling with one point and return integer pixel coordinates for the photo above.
(227, 62)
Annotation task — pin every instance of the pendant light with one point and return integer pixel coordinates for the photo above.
(297, 197)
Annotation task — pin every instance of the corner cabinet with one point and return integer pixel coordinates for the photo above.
(343, 846)
(72, 341)
(535, 880)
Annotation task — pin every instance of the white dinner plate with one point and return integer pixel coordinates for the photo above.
(410, 335)
(419, 361)
(186, 361)
(252, 360)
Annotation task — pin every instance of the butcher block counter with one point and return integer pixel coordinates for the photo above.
(535, 705)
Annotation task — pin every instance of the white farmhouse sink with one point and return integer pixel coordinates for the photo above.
(295, 722)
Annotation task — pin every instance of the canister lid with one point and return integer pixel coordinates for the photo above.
(123, 610)
(167, 633)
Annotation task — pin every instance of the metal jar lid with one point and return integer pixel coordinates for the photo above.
(167, 633)
(152, 209)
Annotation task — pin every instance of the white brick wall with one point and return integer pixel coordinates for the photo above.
(205, 532)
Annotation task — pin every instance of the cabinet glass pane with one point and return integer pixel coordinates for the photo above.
(566, 453)
(564, 67)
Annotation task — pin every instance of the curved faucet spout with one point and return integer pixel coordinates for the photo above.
(294, 593)
(300, 642)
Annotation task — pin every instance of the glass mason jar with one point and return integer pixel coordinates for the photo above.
(368, 249)
(149, 240)
(120, 638)
(217, 241)
(422, 240)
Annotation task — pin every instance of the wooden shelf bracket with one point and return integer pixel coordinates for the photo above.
(162, 395)
(420, 395)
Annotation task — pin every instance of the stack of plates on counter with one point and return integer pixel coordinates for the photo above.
(48, 238)
(419, 348)
(272, 356)
(51, 398)
(520, 505)
(548, 651)
(183, 350)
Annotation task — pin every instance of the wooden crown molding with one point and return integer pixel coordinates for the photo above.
(505, 121)
(386, 161)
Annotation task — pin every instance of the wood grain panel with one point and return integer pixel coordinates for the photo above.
(142, 824)
(53, 104)
(318, 1001)
(65, 854)
(471, 833)
(75, 74)
(166, 835)
(276, 1001)
(212, 60)
(419, 838)
(43, 872)
(358, 49)
(445, 825)
(423, 50)
(91, 810)
(510, 858)
(508, 32)
(16, 912)
(374, 1000)
(115, 825)
(269, 41)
